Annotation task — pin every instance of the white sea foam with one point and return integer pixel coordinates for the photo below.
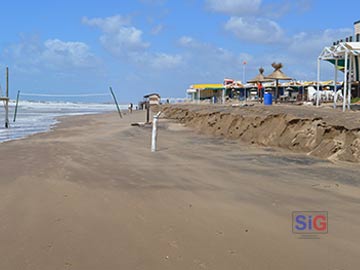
(36, 117)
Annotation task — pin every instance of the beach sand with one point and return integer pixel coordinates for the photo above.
(91, 195)
(322, 132)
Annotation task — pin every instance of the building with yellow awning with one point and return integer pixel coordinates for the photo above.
(206, 91)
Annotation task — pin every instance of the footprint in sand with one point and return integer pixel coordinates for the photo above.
(173, 244)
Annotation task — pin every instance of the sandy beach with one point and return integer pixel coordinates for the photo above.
(91, 195)
(320, 132)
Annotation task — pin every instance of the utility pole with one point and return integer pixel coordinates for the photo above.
(7, 125)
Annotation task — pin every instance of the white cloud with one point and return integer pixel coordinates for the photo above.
(158, 61)
(257, 30)
(123, 40)
(308, 45)
(210, 63)
(34, 55)
(311, 44)
(186, 41)
(157, 29)
(60, 53)
(298, 53)
(108, 24)
(163, 60)
(234, 7)
(119, 36)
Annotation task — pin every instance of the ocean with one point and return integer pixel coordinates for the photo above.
(36, 117)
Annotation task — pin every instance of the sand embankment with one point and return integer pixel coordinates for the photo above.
(321, 132)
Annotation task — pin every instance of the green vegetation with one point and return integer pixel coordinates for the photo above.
(355, 100)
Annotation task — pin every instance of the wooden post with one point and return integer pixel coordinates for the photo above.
(7, 100)
(7, 82)
(147, 106)
(17, 104)
(116, 103)
(303, 93)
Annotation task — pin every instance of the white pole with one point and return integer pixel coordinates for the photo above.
(350, 80)
(356, 71)
(345, 80)
(318, 83)
(336, 78)
(223, 96)
(154, 132)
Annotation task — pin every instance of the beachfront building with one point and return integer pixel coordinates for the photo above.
(213, 93)
(217, 93)
(344, 54)
(357, 30)
(292, 91)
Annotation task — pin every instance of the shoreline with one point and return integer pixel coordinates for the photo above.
(34, 117)
(56, 120)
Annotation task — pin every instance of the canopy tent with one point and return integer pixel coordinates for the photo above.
(208, 86)
(341, 65)
(292, 84)
(344, 56)
(235, 84)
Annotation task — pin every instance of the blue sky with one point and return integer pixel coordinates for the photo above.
(163, 46)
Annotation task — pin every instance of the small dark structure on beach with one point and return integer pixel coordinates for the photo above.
(151, 101)
(6, 99)
(278, 75)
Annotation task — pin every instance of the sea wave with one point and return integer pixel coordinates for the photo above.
(36, 117)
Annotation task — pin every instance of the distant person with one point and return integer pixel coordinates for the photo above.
(130, 107)
(260, 91)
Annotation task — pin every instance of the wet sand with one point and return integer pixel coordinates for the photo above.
(91, 195)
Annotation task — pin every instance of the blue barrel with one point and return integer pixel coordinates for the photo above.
(268, 99)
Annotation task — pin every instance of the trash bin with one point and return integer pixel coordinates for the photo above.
(268, 99)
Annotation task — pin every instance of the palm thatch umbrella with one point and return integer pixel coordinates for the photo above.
(260, 78)
(278, 75)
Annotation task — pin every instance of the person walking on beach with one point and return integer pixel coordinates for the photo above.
(130, 107)
(260, 91)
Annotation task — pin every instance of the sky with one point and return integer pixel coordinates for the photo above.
(142, 46)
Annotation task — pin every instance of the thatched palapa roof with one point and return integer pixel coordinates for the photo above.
(278, 74)
(260, 77)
